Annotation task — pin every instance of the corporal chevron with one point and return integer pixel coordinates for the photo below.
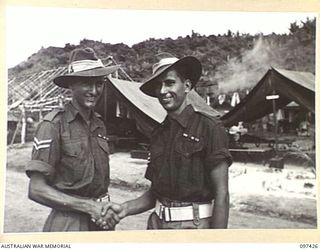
(39, 144)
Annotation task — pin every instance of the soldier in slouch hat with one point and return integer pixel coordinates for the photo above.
(69, 169)
(189, 156)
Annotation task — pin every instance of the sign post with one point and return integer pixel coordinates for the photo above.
(276, 162)
(274, 97)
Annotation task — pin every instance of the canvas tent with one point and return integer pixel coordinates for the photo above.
(36, 92)
(146, 111)
(289, 85)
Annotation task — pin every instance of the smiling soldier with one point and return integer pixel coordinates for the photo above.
(189, 160)
(69, 170)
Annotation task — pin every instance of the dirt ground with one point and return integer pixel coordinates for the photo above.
(259, 197)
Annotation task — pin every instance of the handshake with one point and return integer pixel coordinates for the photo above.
(110, 215)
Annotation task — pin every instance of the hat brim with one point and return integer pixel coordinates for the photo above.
(192, 65)
(64, 80)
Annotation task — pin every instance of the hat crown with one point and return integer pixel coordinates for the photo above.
(164, 59)
(163, 62)
(83, 54)
(83, 62)
(84, 59)
(188, 66)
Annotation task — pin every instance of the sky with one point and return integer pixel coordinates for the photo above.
(30, 28)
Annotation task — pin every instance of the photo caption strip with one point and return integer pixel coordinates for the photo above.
(34, 246)
(148, 246)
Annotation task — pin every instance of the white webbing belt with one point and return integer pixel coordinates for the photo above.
(182, 213)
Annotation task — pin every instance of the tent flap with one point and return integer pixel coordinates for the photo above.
(289, 85)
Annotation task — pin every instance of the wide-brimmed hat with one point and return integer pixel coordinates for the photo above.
(191, 65)
(84, 62)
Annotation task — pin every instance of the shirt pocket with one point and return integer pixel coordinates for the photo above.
(189, 161)
(187, 147)
(72, 148)
(75, 160)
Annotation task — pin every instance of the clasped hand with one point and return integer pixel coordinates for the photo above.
(110, 215)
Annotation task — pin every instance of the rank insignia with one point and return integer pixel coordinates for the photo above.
(39, 144)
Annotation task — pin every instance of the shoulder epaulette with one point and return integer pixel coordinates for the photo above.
(213, 117)
(52, 114)
(209, 113)
(98, 115)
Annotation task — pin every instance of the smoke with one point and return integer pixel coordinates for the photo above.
(244, 72)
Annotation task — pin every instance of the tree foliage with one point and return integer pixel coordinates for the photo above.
(221, 55)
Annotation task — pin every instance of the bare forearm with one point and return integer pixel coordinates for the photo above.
(139, 205)
(61, 201)
(219, 180)
(220, 214)
(46, 195)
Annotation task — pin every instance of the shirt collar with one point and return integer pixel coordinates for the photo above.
(72, 112)
(184, 116)
(96, 121)
(199, 105)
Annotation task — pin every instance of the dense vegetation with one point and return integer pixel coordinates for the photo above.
(231, 61)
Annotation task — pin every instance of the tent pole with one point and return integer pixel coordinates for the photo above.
(24, 125)
(276, 161)
(40, 109)
(275, 122)
(15, 132)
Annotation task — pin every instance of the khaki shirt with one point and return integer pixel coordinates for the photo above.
(73, 157)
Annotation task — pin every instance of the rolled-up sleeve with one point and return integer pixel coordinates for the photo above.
(217, 147)
(45, 150)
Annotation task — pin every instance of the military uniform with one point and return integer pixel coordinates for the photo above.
(74, 158)
(183, 151)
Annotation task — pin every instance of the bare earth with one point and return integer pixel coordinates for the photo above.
(260, 197)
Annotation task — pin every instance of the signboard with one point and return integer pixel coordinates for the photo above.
(272, 97)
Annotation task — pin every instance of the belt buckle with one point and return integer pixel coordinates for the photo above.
(196, 215)
(163, 211)
(166, 214)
